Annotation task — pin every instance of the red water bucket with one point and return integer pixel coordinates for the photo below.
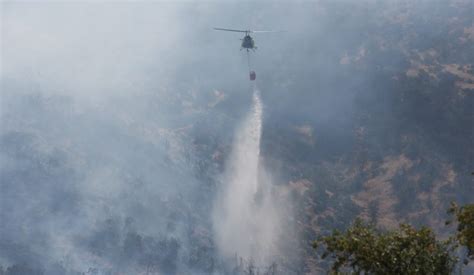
(252, 75)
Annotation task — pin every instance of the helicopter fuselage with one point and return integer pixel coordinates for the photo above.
(248, 42)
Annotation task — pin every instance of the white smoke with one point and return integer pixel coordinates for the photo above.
(246, 220)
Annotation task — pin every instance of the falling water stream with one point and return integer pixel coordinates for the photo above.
(245, 218)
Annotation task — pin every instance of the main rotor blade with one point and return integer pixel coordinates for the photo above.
(265, 31)
(229, 30)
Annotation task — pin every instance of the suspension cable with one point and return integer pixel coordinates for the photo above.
(248, 59)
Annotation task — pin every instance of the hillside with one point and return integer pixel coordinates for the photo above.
(116, 130)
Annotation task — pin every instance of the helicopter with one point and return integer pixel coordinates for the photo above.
(247, 42)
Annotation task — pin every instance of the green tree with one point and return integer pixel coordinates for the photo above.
(464, 216)
(362, 248)
(406, 250)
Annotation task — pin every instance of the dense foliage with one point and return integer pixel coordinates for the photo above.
(406, 250)
(465, 230)
(403, 251)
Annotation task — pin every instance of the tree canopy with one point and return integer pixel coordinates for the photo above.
(364, 249)
(464, 216)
